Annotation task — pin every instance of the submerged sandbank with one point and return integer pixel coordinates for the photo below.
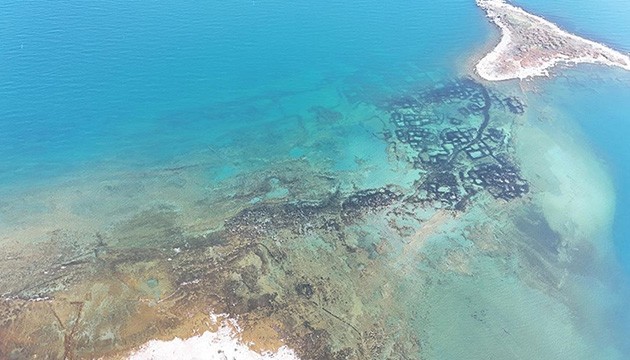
(531, 45)
(309, 260)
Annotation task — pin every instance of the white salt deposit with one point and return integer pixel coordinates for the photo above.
(225, 343)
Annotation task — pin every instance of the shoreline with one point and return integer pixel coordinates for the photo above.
(531, 46)
(226, 342)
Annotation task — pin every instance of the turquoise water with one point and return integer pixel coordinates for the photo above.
(601, 113)
(602, 110)
(91, 88)
(81, 82)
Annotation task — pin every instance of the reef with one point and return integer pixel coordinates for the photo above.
(452, 136)
(368, 200)
(531, 45)
(325, 115)
(260, 268)
(296, 272)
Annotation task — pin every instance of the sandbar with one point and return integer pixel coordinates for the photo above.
(530, 46)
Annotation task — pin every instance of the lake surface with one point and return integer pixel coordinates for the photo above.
(163, 162)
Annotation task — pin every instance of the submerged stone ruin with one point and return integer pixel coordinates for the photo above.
(458, 133)
(264, 265)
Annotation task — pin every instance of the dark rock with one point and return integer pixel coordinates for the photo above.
(305, 289)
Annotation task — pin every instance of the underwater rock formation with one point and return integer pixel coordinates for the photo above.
(451, 132)
(294, 272)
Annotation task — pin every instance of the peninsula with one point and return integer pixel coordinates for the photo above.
(531, 45)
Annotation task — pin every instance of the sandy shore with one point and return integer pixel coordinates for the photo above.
(531, 45)
(225, 343)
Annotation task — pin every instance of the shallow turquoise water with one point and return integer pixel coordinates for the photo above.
(602, 109)
(140, 85)
(80, 81)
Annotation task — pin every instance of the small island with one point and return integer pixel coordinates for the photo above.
(531, 45)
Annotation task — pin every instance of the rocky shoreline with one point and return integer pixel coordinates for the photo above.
(530, 46)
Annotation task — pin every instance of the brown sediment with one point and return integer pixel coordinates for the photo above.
(417, 239)
(136, 295)
(68, 340)
(311, 271)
